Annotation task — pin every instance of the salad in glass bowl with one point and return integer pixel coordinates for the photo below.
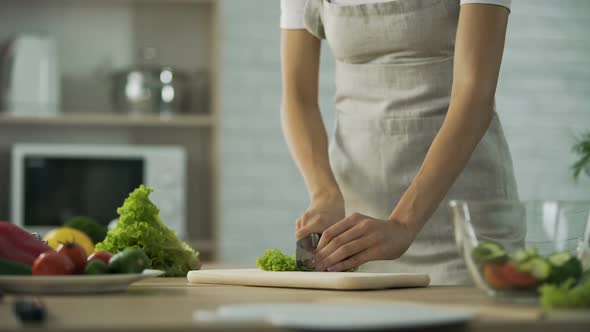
(515, 249)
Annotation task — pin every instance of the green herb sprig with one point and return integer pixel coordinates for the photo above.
(582, 149)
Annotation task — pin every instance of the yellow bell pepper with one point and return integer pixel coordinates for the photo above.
(66, 234)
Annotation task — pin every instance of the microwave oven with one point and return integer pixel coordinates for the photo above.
(51, 183)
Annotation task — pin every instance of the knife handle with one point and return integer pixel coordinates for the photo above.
(30, 310)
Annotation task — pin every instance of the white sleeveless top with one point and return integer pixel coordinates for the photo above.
(292, 10)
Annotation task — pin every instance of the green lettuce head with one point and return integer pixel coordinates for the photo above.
(140, 226)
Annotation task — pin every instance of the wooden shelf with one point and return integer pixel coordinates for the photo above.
(109, 120)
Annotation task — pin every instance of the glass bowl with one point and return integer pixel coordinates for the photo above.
(505, 243)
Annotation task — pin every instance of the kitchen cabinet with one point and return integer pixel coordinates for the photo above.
(96, 38)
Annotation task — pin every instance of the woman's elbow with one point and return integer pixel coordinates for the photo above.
(479, 92)
(298, 103)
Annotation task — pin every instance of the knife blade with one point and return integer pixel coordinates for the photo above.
(305, 251)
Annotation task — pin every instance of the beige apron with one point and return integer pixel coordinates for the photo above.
(394, 66)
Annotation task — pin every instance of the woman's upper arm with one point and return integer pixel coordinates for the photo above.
(478, 49)
(300, 58)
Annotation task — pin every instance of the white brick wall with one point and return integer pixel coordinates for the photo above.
(543, 99)
(544, 94)
(262, 191)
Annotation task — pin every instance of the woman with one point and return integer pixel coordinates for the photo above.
(416, 127)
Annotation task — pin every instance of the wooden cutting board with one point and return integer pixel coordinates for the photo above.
(317, 280)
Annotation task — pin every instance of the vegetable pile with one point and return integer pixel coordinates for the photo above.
(139, 241)
(140, 226)
(557, 277)
(21, 253)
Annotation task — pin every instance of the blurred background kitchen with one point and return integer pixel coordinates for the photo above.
(184, 95)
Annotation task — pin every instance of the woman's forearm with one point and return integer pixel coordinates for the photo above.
(445, 160)
(306, 137)
(478, 54)
(302, 123)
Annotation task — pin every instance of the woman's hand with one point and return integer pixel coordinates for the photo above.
(319, 217)
(358, 239)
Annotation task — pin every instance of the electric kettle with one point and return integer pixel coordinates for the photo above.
(30, 76)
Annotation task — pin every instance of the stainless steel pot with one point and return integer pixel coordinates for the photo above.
(151, 90)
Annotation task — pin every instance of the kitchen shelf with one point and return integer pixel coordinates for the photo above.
(186, 35)
(109, 120)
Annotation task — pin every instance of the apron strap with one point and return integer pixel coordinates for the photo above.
(313, 18)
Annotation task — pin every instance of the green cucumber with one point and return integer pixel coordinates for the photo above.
(14, 268)
(538, 267)
(523, 255)
(560, 258)
(489, 252)
(96, 266)
(564, 266)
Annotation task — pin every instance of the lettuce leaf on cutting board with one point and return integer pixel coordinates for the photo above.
(276, 260)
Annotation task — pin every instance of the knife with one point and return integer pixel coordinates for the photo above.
(305, 251)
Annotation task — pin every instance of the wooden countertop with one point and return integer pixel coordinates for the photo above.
(167, 304)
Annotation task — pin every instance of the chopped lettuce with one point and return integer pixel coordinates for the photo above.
(140, 226)
(275, 260)
(566, 295)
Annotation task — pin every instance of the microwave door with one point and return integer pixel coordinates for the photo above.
(57, 189)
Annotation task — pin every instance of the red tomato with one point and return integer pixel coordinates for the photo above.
(53, 263)
(76, 253)
(517, 278)
(494, 277)
(101, 255)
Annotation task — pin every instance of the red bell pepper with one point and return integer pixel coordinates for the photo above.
(517, 278)
(507, 276)
(18, 245)
(494, 276)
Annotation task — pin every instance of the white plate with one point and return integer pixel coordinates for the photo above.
(73, 284)
(320, 316)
